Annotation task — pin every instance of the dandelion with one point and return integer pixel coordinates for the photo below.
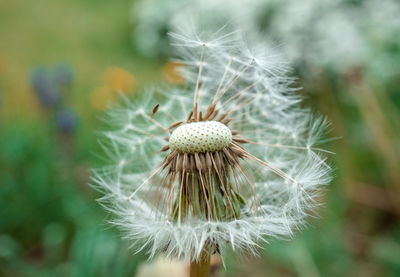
(230, 160)
(119, 80)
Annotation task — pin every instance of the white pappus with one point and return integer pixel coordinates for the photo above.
(255, 178)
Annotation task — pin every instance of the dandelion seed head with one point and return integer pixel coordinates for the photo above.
(229, 160)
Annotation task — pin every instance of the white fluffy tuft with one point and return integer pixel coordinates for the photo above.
(256, 93)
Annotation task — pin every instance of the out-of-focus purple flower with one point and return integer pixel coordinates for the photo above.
(66, 120)
(50, 84)
(63, 74)
(46, 90)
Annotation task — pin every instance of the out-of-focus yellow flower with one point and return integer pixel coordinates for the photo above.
(115, 80)
(163, 267)
(171, 72)
(119, 80)
(102, 98)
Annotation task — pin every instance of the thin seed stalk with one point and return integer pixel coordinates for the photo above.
(201, 268)
(206, 191)
(214, 199)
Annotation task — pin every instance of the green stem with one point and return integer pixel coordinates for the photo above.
(201, 268)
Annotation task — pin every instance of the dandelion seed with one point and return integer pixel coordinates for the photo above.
(230, 160)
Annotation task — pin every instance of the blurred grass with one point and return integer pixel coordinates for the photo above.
(89, 35)
(50, 223)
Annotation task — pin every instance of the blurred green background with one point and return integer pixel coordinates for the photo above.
(61, 63)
